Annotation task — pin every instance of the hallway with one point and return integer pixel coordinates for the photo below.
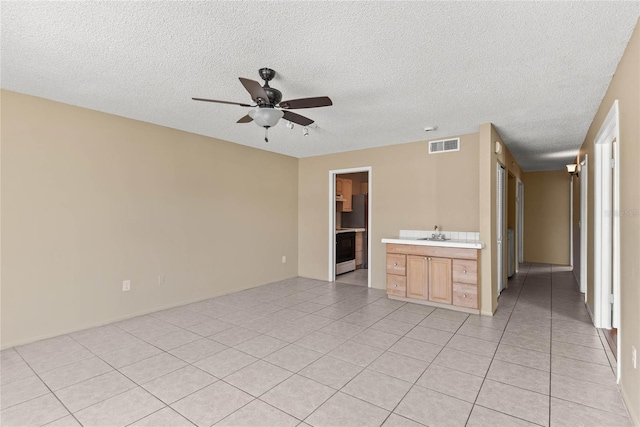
(549, 329)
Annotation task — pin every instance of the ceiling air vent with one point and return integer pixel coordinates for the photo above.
(444, 145)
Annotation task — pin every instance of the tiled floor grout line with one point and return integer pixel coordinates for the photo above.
(497, 346)
(347, 308)
(50, 391)
(259, 359)
(423, 371)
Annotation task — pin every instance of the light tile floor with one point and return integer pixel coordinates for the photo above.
(306, 352)
(357, 277)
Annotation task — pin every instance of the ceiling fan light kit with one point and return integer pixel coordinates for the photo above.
(266, 117)
(269, 108)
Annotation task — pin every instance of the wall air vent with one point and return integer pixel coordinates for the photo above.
(444, 145)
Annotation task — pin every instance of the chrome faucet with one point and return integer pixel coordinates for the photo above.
(437, 235)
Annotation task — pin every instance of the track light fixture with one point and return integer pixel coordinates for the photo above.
(290, 125)
(305, 131)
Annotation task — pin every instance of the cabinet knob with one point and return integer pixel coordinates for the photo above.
(464, 295)
(464, 271)
(395, 286)
(429, 259)
(395, 263)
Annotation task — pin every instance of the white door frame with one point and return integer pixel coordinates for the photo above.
(607, 226)
(584, 227)
(520, 221)
(571, 222)
(331, 276)
(500, 223)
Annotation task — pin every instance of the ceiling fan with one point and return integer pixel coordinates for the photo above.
(269, 107)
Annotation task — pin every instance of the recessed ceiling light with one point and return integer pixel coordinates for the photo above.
(430, 128)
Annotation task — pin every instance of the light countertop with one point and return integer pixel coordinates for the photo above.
(468, 244)
(346, 230)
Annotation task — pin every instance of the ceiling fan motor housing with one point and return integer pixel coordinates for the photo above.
(275, 96)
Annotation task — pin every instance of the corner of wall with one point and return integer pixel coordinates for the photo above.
(486, 180)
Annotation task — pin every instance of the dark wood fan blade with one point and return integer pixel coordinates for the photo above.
(320, 101)
(245, 119)
(297, 118)
(221, 102)
(255, 90)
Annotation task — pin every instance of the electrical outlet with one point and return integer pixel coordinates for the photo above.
(284, 259)
(161, 279)
(634, 357)
(126, 285)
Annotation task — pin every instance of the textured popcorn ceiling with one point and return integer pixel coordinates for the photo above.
(537, 70)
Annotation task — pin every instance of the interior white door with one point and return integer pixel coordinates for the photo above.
(584, 186)
(606, 261)
(520, 233)
(500, 224)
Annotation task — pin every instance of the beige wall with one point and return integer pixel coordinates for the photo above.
(410, 190)
(625, 87)
(546, 217)
(90, 199)
(488, 160)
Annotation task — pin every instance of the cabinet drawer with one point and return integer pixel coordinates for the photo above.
(397, 285)
(465, 295)
(396, 264)
(465, 271)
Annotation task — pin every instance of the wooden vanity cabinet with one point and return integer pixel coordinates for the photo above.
(465, 283)
(396, 275)
(433, 275)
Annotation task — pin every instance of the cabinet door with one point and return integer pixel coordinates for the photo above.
(347, 192)
(440, 280)
(417, 277)
(338, 187)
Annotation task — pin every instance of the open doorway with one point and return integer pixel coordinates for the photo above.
(350, 226)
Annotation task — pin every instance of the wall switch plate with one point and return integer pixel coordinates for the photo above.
(284, 259)
(126, 285)
(634, 357)
(161, 279)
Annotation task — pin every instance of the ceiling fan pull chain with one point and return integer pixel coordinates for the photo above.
(266, 134)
